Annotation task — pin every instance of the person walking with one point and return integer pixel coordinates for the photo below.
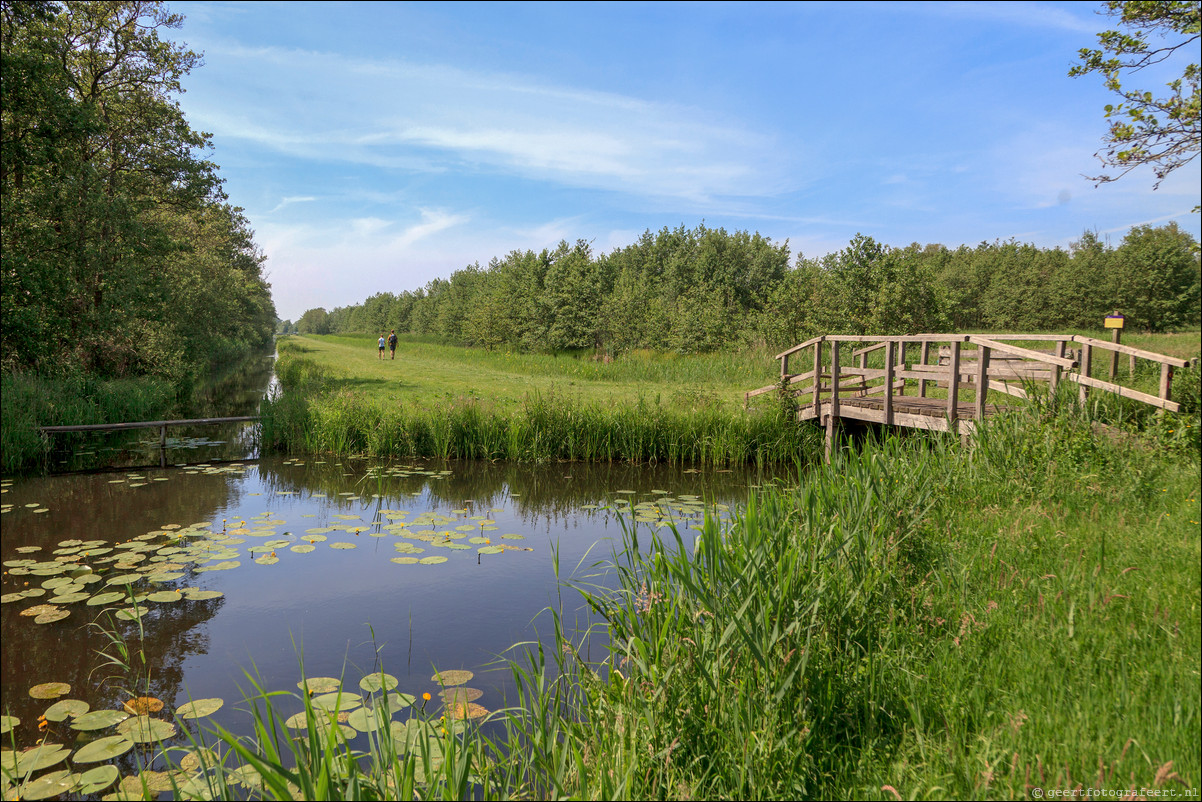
(392, 343)
(381, 346)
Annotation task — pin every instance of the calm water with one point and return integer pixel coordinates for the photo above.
(352, 609)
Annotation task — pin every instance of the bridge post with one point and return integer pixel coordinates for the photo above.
(953, 386)
(982, 380)
(1084, 370)
(889, 347)
(818, 379)
(924, 354)
(829, 444)
(1055, 378)
(835, 379)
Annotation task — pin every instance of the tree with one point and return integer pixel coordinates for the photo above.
(1146, 130)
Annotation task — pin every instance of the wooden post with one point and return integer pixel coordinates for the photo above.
(784, 368)
(1084, 369)
(901, 362)
(1166, 383)
(162, 437)
(835, 379)
(1055, 378)
(923, 354)
(817, 380)
(889, 346)
(830, 438)
(1114, 355)
(863, 361)
(982, 380)
(953, 386)
(1131, 367)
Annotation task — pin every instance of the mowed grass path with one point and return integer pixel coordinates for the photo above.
(436, 372)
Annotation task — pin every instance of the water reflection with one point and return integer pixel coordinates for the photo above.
(350, 609)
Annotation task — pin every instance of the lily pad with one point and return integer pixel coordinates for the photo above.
(105, 598)
(98, 720)
(319, 684)
(453, 677)
(405, 560)
(268, 559)
(36, 758)
(130, 613)
(460, 695)
(49, 690)
(48, 786)
(433, 560)
(489, 550)
(64, 708)
(465, 711)
(202, 595)
(7, 723)
(199, 708)
(373, 683)
(342, 545)
(143, 705)
(338, 700)
(103, 749)
(144, 729)
(302, 548)
(97, 779)
(165, 596)
(50, 616)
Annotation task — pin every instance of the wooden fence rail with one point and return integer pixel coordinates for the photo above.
(967, 366)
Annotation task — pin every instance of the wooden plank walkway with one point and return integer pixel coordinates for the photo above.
(964, 368)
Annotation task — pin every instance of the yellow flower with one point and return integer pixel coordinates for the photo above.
(426, 696)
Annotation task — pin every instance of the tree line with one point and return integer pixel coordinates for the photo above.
(701, 289)
(121, 254)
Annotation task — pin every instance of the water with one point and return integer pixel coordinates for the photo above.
(345, 612)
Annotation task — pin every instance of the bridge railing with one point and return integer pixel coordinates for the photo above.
(969, 366)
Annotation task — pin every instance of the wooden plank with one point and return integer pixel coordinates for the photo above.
(1035, 356)
(1055, 377)
(801, 347)
(1026, 337)
(1125, 392)
(1083, 373)
(1166, 382)
(868, 350)
(1137, 352)
(153, 424)
(1003, 387)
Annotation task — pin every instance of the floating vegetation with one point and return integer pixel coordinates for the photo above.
(49, 690)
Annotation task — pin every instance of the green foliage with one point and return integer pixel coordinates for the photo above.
(1161, 132)
(116, 237)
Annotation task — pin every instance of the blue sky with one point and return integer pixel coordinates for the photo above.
(376, 146)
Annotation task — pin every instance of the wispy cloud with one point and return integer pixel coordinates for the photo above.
(284, 202)
(424, 118)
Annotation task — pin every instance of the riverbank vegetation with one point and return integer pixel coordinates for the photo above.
(916, 620)
(118, 241)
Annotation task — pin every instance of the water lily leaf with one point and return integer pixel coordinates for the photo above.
(199, 708)
(433, 560)
(143, 705)
(72, 598)
(198, 759)
(105, 598)
(338, 700)
(7, 723)
(130, 613)
(471, 710)
(65, 708)
(202, 595)
(452, 677)
(298, 721)
(319, 684)
(267, 560)
(365, 719)
(97, 779)
(35, 758)
(98, 720)
(103, 749)
(517, 537)
(461, 695)
(124, 579)
(7, 598)
(303, 548)
(49, 690)
(405, 560)
(166, 576)
(48, 786)
(342, 545)
(38, 609)
(489, 550)
(246, 776)
(221, 566)
(144, 730)
(373, 683)
(165, 596)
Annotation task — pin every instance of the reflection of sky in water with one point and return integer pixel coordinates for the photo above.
(347, 609)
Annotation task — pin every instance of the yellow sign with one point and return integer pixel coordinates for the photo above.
(1114, 321)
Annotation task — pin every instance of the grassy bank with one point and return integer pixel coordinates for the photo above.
(447, 402)
(27, 402)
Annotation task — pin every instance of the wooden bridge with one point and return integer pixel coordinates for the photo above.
(944, 381)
